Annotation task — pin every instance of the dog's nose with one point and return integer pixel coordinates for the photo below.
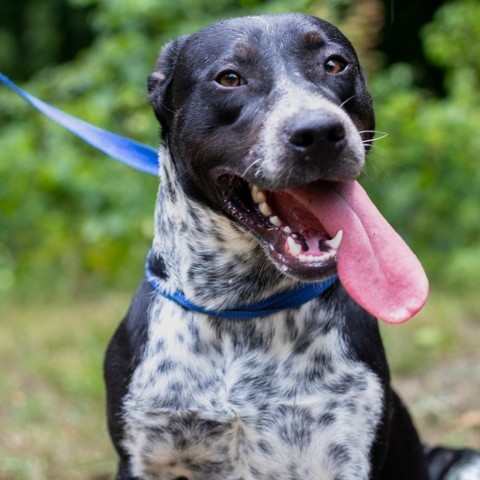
(317, 137)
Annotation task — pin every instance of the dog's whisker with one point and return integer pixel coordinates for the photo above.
(375, 132)
(167, 109)
(371, 140)
(253, 164)
(347, 100)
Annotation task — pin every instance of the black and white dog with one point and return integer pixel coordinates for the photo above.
(266, 122)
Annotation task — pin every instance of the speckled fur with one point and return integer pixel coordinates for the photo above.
(302, 394)
(205, 254)
(216, 399)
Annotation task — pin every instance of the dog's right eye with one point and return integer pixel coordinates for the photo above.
(335, 64)
(230, 79)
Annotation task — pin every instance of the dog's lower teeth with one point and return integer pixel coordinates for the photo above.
(328, 248)
(294, 247)
(335, 241)
(316, 259)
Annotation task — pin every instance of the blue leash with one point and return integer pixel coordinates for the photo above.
(145, 159)
(136, 155)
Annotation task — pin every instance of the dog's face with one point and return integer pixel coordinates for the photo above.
(255, 106)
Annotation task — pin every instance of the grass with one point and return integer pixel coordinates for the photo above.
(52, 395)
(51, 389)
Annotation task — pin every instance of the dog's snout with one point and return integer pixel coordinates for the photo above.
(317, 136)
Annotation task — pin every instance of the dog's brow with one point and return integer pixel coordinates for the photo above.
(314, 39)
(245, 52)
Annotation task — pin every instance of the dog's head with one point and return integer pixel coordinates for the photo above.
(268, 120)
(251, 107)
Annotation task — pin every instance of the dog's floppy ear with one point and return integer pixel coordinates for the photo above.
(160, 79)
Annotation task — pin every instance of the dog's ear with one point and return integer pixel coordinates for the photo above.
(160, 79)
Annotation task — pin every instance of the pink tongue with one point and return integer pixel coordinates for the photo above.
(374, 264)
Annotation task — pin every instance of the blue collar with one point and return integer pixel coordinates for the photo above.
(144, 158)
(280, 301)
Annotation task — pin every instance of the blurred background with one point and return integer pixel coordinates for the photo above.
(75, 226)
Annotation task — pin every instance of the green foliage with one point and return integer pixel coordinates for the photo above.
(71, 220)
(451, 42)
(34, 34)
(429, 185)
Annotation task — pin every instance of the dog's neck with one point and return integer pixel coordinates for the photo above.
(204, 254)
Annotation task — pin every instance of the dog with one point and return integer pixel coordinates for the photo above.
(266, 123)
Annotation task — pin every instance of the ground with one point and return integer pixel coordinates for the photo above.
(52, 398)
(445, 401)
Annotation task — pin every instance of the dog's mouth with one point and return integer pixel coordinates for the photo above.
(293, 237)
(310, 231)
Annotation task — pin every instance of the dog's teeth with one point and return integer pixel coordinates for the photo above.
(274, 220)
(335, 241)
(258, 195)
(294, 247)
(314, 258)
(287, 229)
(308, 258)
(265, 209)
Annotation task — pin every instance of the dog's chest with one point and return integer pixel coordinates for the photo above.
(277, 398)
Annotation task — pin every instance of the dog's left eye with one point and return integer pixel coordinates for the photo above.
(230, 79)
(335, 64)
